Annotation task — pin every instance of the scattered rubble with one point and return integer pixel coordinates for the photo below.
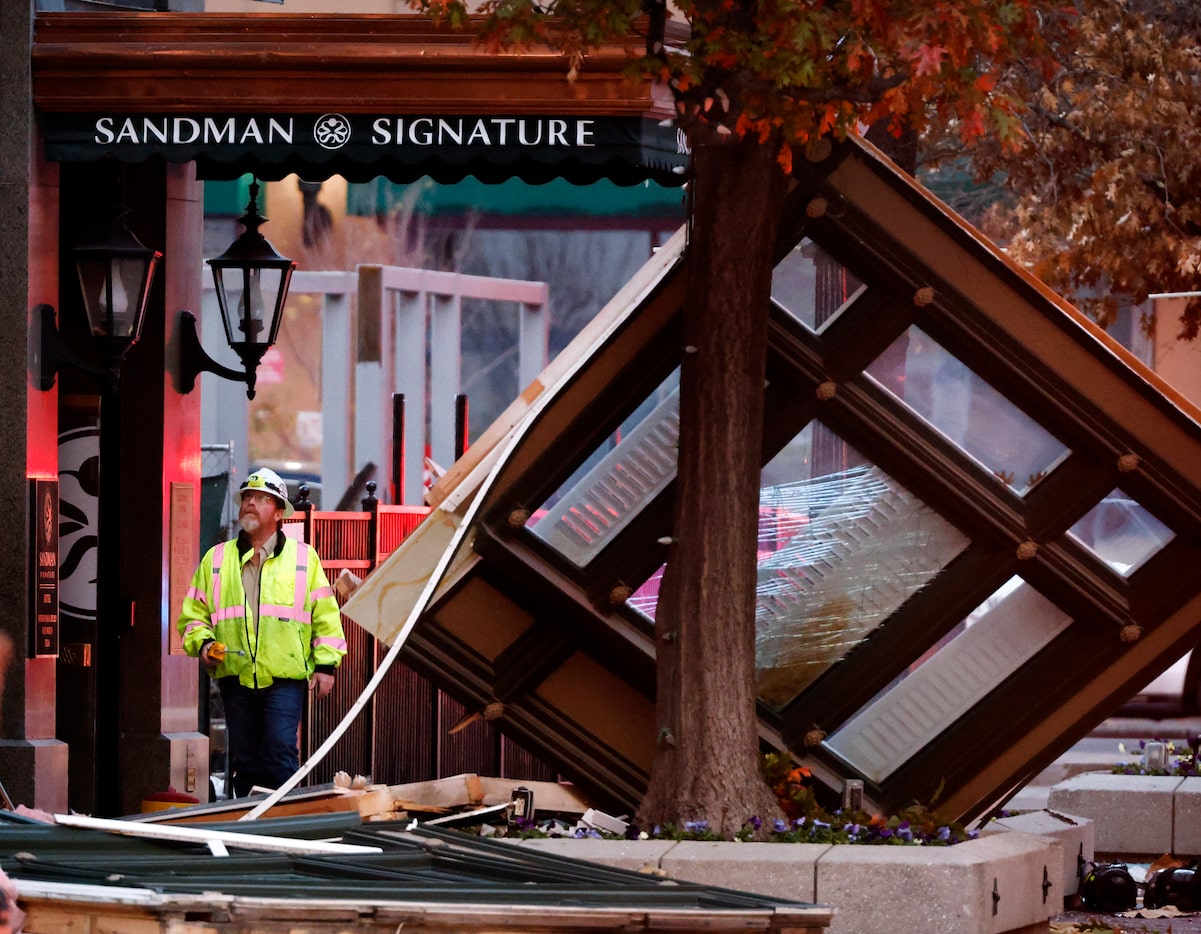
(456, 801)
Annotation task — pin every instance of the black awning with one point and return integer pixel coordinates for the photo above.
(400, 147)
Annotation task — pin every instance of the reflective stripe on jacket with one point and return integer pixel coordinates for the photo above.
(300, 627)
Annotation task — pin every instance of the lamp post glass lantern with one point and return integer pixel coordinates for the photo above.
(252, 281)
(115, 273)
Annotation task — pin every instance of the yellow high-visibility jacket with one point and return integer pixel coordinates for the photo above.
(300, 626)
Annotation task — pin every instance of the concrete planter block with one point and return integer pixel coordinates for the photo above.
(1131, 814)
(1076, 834)
(635, 855)
(1186, 804)
(870, 889)
(1001, 882)
(781, 870)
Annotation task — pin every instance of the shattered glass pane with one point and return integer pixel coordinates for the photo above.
(841, 546)
(646, 598)
(812, 286)
(990, 644)
(616, 481)
(1121, 532)
(993, 431)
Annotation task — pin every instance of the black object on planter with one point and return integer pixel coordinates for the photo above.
(1180, 887)
(1109, 887)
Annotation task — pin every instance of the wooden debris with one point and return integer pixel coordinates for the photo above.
(469, 790)
(438, 797)
(324, 800)
(374, 803)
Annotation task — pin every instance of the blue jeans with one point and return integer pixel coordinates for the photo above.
(262, 728)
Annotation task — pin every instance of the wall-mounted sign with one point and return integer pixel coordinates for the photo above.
(183, 556)
(43, 551)
(402, 147)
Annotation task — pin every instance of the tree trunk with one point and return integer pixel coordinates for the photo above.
(707, 760)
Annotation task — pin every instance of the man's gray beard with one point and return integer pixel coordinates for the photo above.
(250, 523)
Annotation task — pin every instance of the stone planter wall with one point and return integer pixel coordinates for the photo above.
(1137, 817)
(1008, 880)
(1077, 835)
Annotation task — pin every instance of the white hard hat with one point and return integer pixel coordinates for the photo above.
(266, 480)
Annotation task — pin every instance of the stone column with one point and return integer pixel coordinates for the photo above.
(33, 764)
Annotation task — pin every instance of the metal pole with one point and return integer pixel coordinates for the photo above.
(460, 425)
(398, 447)
(111, 616)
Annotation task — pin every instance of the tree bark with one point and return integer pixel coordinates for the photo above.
(706, 766)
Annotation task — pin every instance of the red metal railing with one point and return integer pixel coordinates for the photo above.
(401, 735)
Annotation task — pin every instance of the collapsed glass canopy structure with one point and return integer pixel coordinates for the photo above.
(977, 523)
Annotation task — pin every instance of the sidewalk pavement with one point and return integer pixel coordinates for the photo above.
(1103, 754)
(1034, 796)
(1072, 921)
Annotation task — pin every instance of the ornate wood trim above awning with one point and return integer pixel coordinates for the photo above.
(123, 84)
(256, 62)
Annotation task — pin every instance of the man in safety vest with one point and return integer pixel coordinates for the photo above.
(262, 616)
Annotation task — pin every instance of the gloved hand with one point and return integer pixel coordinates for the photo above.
(211, 653)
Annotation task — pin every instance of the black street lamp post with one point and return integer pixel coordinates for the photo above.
(115, 274)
